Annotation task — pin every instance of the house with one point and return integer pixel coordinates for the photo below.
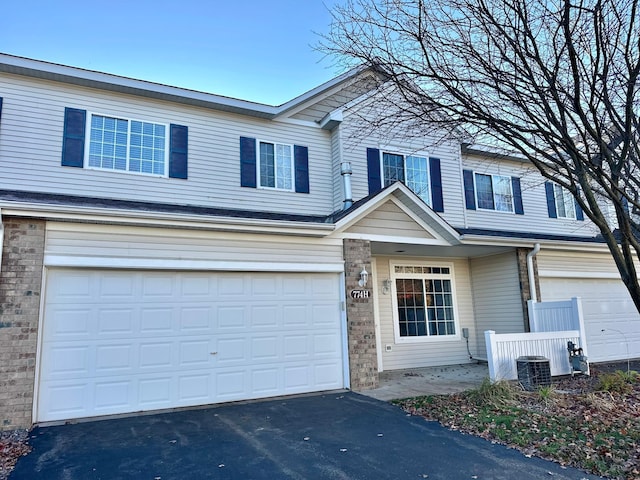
(166, 248)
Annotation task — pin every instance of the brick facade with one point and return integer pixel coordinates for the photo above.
(361, 330)
(525, 292)
(20, 284)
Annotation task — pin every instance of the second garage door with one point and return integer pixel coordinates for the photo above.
(611, 320)
(126, 341)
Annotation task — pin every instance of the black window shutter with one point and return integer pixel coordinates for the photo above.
(248, 173)
(551, 200)
(579, 212)
(437, 202)
(0, 108)
(301, 160)
(517, 196)
(469, 191)
(178, 151)
(75, 122)
(373, 170)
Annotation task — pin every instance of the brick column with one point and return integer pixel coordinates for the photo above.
(20, 283)
(525, 292)
(361, 330)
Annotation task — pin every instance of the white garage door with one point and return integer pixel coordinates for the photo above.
(125, 341)
(607, 306)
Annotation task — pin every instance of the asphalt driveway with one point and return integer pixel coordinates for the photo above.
(330, 436)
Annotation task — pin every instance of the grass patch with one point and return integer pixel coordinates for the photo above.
(595, 427)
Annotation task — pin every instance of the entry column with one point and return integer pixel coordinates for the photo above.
(361, 332)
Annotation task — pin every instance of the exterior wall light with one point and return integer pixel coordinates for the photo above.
(364, 276)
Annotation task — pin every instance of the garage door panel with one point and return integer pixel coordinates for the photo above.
(113, 322)
(181, 339)
(612, 323)
(195, 319)
(265, 317)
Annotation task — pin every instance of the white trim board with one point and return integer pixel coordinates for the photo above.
(177, 264)
(565, 274)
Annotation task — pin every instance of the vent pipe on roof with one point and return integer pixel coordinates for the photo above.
(345, 171)
(532, 277)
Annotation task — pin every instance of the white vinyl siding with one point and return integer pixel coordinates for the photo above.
(356, 139)
(31, 145)
(577, 264)
(336, 156)
(389, 219)
(413, 355)
(65, 240)
(496, 296)
(536, 216)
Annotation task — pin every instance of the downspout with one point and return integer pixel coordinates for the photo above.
(532, 277)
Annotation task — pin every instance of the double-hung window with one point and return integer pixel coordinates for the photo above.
(565, 204)
(493, 192)
(411, 170)
(424, 302)
(127, 145)
(561, 203)
(276, 166)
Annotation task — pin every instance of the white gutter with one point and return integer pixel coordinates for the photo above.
(137, 217)
(532, 277)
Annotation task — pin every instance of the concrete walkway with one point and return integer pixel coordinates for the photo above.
(428, 381)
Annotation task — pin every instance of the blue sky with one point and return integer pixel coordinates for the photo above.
(249, 49)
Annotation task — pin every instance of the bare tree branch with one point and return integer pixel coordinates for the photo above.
(555, 80)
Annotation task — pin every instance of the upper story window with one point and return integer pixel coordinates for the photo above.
(420, 173)
(493, 192)
(561, 203)
(424, 302)
(124, 145)
(279, 166)
(127, 145)
(565, 205)
(276, 166)
(408, 169)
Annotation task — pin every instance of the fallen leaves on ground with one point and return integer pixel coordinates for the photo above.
(571, 423)
(13, 445)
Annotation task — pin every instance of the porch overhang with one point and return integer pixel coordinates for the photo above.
(395, 215)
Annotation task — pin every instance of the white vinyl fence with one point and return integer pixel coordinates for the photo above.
(553, 324)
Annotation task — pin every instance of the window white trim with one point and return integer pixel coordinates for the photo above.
(493, 192)
(404, 154)
(87, 145)
(275, 166)
(568, 202)
(394, 300)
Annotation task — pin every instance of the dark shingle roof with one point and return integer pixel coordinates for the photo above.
(529, 235)
(96, 202)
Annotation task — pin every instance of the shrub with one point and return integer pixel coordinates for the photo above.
(498, 393)
(617, 382)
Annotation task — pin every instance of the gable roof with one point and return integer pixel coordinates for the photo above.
(436, 229)
(104, 81)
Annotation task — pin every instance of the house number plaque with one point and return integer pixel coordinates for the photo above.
(360, 294)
